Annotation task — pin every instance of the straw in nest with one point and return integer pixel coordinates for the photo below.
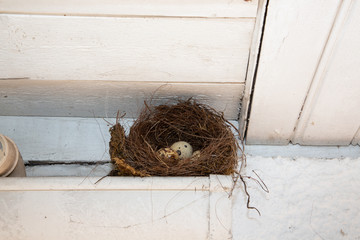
(158, 127)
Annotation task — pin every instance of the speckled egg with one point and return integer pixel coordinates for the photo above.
(184, 149)
(196, 155)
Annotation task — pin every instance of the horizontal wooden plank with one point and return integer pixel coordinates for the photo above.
(106, 98)
(69, 170)
(65, 139)
(110, 215)
(149, 204)
(293, 42)
(183, 8)
(59, 139)
(124, 49)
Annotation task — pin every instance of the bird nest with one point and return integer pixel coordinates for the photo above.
(145, 150)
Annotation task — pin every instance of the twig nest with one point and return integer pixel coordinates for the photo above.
(184, 126)
(183, 149)
(167, 153)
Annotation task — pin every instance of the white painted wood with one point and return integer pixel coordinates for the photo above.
(293, 151)
(184, 184)
(295, 35)
(253, 58)
(124, 49)
(69, 170)
(183, 8)
(59, 139)
(105, 98)
(331, 113)
(288, 151)
(220, 207)
(115, 207)
(66, 139)
(104, 214)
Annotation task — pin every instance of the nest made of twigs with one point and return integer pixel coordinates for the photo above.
(159, 127)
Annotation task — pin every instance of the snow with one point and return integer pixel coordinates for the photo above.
(309, 198)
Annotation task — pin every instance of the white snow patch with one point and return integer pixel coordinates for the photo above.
(309, 198)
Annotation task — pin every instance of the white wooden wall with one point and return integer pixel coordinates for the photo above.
(64, 65)
(86, 58)
(307, 85)
(53, 74)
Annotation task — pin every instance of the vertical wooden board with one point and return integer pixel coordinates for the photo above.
(295, 35)
(331, 114)
(124, 49)
(251, 71)
(183, 8)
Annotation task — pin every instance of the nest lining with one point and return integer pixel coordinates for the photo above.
(159, 127)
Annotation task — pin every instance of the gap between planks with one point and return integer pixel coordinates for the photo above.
(122, 15)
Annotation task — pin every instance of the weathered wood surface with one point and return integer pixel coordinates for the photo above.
(331, 114)
(68, 170)
(61, 139)
(252, 66)
(112, 209)
(124, 49)
(106, 98)
(294, 39)
(168, 8)
(116, 207)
